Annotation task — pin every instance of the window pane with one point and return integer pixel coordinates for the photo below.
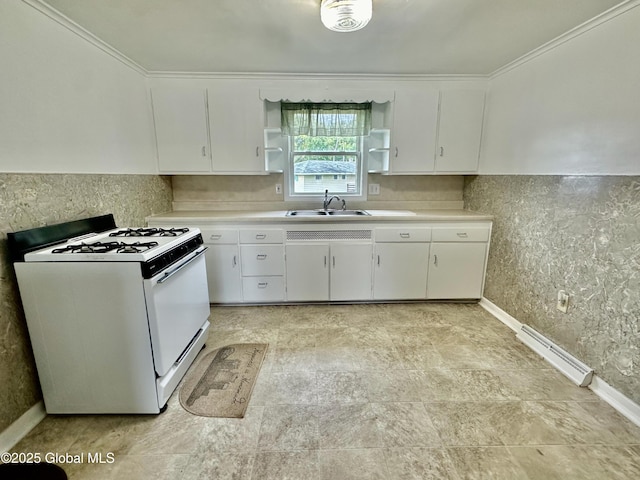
(317, 173)
(305, 143)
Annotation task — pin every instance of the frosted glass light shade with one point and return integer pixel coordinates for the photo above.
(345, 15)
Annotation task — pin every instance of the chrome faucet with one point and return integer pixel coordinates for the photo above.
(328, 200)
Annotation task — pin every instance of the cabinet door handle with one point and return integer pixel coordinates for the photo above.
(261, 256)
(462, 234)
(442, 151)
(261, 236)
(216, 237)
(325, 261)
(405, 235)
(235, 261)
(204, 151)
(396, 152)
(263, 284)
(334, 261)
(257, 151)
(378, 260)
(435, 260)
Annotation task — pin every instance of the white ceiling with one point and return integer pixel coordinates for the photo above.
(286, 36)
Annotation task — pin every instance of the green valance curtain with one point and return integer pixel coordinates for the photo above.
(326, 119)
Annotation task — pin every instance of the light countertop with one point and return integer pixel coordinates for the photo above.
(207, 217)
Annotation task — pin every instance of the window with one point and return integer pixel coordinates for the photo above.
(325, 148)
(326, 163)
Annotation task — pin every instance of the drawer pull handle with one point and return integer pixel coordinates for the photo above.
(261, 256)
(216, 236)
(405, 235)
(263, 284)
(462, 234)
(261, 236)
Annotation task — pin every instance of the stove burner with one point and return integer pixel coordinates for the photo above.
(136, 247)
(104, 247)
(149, 232)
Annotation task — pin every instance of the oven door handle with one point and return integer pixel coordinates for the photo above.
(171, 273)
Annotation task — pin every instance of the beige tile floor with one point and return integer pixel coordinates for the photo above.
(417, 391)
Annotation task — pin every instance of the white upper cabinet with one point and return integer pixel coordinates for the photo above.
(459, 131)
(209, 130)
(236, 122)
(413, 137)
(435, 132)
(225, 127)
(182, 136)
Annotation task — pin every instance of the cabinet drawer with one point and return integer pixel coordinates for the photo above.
(226, 236)
(258, 260)
(410, 234)
(263, 289)
(460, 234)
(261, 236)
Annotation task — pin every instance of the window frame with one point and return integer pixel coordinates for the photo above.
(289, 176)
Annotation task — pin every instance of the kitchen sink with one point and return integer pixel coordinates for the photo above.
(317, 213)
(348, 212)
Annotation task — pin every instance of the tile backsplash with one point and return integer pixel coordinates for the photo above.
(413, 192)
(574, 233)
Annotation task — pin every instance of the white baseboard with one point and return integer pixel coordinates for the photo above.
(617, 400)
(623, 404)
(23, 425)
(500, 314)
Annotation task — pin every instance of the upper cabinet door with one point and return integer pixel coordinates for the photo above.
(413, 138)
(236, 120)
(459, 131)
(182, 136)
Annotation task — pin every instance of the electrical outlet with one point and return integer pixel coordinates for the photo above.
(563, 301)
(278, 188)
(374, 189)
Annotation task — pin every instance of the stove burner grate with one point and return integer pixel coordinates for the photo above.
(149, 232)
(104, 247)
(136, 247)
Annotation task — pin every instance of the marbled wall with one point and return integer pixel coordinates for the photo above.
(580, 234)
(28, 201)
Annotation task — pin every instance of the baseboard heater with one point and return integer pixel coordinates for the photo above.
(574, 369)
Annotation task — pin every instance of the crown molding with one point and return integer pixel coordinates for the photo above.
(69, 24)
(604, 17)
(314, 76)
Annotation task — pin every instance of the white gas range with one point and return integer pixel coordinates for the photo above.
(115, 318)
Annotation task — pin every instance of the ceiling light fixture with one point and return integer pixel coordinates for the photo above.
(345, 15)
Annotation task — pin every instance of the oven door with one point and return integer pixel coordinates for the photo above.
(178, 306)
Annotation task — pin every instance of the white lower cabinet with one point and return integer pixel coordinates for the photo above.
(223, 273)
(320, 272)
(401, 261)
(307, 272)
(350, 277)
(302, 263)
(457, 262)
(262, 265)
(223, 265)
(263, 289)
(400, 271)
